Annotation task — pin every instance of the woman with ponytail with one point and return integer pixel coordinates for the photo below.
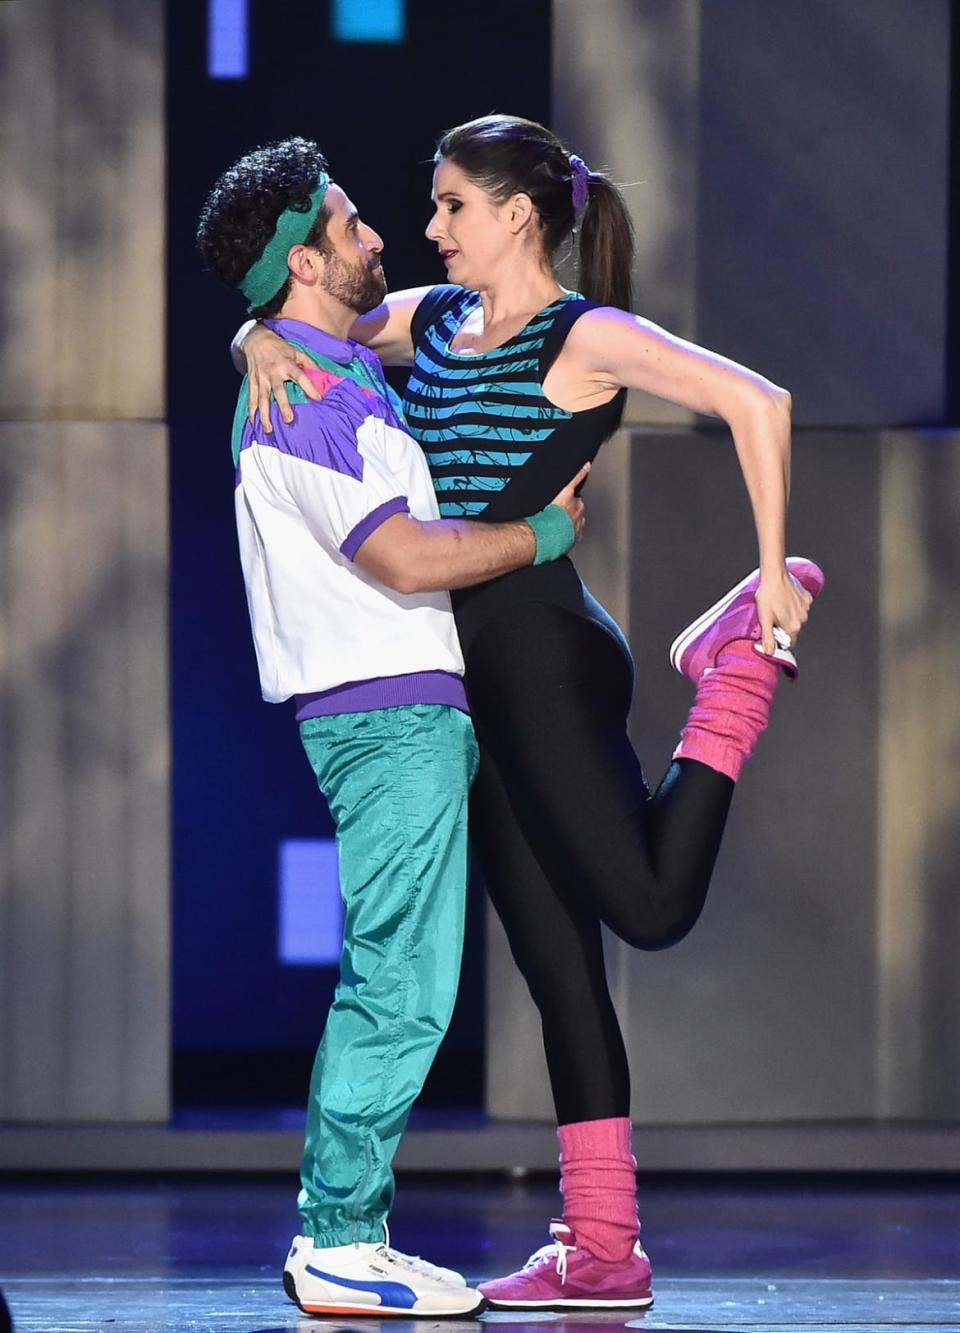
(515, 384)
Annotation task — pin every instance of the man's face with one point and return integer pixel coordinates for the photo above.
(352, 271)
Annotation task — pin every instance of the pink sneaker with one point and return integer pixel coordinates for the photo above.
(561, 1277)
(695, 649)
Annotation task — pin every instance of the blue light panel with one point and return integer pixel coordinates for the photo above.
(310, 915)
(227, 36)
(369, 20)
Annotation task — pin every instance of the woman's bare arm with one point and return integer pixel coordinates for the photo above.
(610, 349)
(386, 330)
(270, 362)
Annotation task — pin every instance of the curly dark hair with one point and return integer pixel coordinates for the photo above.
(241, 211)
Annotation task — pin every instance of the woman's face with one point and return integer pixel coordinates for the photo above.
(469, 229)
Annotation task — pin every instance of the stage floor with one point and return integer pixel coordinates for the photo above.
(756, 1255)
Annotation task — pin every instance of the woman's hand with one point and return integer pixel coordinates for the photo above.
(781, 603)
(271, 362)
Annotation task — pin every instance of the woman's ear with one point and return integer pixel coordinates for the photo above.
(521, 212)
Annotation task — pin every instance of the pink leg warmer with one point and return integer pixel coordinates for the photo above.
(599, 1186)
(731, 709)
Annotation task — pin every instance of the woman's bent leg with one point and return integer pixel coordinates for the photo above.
(550, 698)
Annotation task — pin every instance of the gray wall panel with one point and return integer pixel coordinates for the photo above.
(82, 211)
(918, 942)
(824, 144)
(626, 81)
(787, 167)
(766, 1011)
(820, 982)
(84, 1027)
(33, 937)
(84, 893)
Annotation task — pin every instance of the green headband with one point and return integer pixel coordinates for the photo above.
(263, 280)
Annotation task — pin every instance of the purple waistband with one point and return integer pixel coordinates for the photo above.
(363, 696)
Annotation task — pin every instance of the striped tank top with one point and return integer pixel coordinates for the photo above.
(497, 448)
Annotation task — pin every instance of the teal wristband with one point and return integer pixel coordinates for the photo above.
(554, 533)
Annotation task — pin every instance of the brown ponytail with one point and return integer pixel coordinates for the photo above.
(506, 155)
(606, 246)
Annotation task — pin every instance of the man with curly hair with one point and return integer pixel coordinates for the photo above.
(347, 565)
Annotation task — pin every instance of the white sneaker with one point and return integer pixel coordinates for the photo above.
(422, 1266)
(372, 1279)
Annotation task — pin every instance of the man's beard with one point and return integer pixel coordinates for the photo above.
(359, 289)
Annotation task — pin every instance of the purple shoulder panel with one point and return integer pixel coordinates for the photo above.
(318, 434)
(324, 432)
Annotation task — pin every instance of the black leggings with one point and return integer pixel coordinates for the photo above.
(569, 836)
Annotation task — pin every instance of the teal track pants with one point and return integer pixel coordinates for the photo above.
(396, 781)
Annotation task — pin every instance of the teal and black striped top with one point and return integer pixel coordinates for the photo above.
(480, 417)
(497, 448)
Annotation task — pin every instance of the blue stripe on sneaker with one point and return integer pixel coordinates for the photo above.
(391, 1293)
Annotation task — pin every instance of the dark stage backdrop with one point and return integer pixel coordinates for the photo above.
(246, 1024)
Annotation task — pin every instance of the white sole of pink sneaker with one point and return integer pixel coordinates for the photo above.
(686, 636)
(635, 1303)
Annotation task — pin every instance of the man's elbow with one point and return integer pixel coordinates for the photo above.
(399, 571)
(406, 580)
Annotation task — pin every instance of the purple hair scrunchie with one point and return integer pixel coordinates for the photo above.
(580, 181)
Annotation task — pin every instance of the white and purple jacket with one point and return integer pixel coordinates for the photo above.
(307, 496)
